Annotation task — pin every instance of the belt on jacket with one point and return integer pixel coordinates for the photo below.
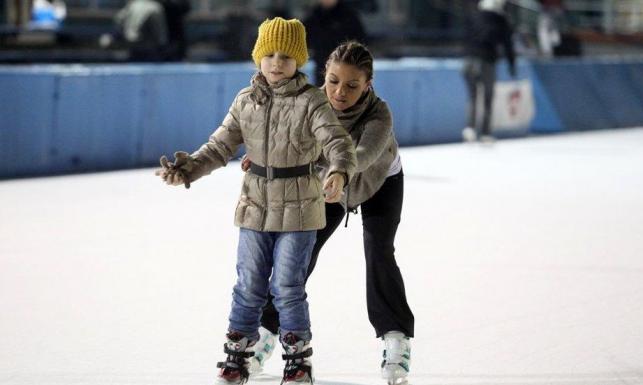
(282, 172)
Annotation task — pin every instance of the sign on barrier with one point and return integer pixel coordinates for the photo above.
(513, 105)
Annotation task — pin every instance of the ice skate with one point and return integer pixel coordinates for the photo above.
(234, 370)
(396, 358)
(487, 140)
(298, 369)
(263, 350)
(469, 134)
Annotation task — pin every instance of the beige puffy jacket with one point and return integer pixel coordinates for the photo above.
(286, 125)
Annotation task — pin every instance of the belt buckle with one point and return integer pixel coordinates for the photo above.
(270, 173)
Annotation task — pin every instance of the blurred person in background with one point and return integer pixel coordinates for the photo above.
(143, 26)
(240, 30)
(329, 23)
(240, 22)
(279, 8)
(525, 43)
(47, 14)
(378, 187)
(175, 12)
(549, 26)
(487, 31)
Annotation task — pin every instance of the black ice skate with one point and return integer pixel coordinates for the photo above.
(298, 369)
(234, 370)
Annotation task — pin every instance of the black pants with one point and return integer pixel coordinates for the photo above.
(385, 295)
(480, 76)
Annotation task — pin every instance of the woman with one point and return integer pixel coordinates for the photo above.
(378, 188)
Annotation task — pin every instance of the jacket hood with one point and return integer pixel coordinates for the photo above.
(261, 90)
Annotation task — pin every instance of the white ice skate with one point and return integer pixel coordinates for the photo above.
(263, 350)
(469, 135)
(397, 358)
(487, 140)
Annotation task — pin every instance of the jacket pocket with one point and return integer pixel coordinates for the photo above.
(248, 214)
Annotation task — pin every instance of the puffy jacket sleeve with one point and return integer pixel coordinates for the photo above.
(222, 144)
(378, 127)
(337, 145)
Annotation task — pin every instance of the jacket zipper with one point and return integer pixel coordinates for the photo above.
(265, 162)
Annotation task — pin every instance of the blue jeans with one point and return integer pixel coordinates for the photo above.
(274, 262)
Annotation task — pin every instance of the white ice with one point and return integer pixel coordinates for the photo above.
(523, 264)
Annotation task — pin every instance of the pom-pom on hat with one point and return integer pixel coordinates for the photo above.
(287, 36)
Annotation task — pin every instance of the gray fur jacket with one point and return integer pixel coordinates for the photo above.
(370, 125)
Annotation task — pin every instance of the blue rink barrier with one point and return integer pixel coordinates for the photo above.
(594, 94)
(427, 98)
(60, 119)
(86, 118)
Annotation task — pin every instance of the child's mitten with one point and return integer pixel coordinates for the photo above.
(178, 172)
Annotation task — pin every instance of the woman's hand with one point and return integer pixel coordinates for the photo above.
(245, 163)
(333, 187)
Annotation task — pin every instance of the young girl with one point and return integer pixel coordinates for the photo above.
(378, 187)
(285, 124)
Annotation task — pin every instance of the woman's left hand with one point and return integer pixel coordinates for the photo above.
(245, 163)
(333, 187)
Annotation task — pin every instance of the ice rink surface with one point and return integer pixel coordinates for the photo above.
(523, 264)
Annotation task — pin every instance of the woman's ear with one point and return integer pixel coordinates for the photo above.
(368, 86)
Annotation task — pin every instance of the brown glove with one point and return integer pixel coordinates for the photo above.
(178, 172)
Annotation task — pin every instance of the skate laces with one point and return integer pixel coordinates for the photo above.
(296, 353)
(236, 361)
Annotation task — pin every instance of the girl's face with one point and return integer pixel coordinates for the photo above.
(278, 66)
(345, 84)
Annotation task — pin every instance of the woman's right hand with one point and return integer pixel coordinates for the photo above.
(333, 186)
(245, 163)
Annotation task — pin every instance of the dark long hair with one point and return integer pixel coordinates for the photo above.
(353, 53)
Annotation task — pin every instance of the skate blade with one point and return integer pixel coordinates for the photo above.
(255, 371)
(307, 381)
(223, 381)
(398, 381)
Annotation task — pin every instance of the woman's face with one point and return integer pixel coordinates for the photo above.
(278, 66)
(345, 84)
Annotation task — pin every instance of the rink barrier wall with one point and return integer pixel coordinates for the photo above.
(58, 119)
(594, 94)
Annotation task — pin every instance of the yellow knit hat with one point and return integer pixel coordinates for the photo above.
(287, 36)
